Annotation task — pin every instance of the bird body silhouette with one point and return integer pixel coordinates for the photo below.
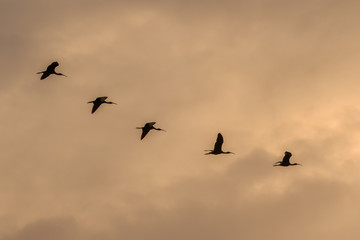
(218, 146)
(98, 101)
(146, 129)
(50, 70)
(286, 161)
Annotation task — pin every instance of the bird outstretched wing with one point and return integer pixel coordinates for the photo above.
(51, 67)
(219, 143)
(286, 159)
(150, 124)
(45, 75)
(96, 106)
(145, 131)
(101, 98)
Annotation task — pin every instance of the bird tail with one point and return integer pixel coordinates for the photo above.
(40, 72)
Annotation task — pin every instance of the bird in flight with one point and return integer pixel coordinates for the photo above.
(50, 70)
(147, 127)
(217, 147)
(98, 101)
(286, 161)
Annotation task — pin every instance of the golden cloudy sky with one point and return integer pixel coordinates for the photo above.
(270, 75)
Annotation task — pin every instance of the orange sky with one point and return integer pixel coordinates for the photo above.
(271, 76)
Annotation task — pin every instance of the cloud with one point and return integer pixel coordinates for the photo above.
(250, 199)
(55, 228)
(270, 76)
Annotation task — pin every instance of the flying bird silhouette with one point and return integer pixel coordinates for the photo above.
(98, 101)
(147, 127)
(50, 70)
(217, 147)
(286, 161)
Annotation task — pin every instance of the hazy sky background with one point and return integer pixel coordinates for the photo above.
(271, 76)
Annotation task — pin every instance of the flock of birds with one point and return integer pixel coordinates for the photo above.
(150, 125)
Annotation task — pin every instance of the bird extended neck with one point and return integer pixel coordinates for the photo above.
(60, 74)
